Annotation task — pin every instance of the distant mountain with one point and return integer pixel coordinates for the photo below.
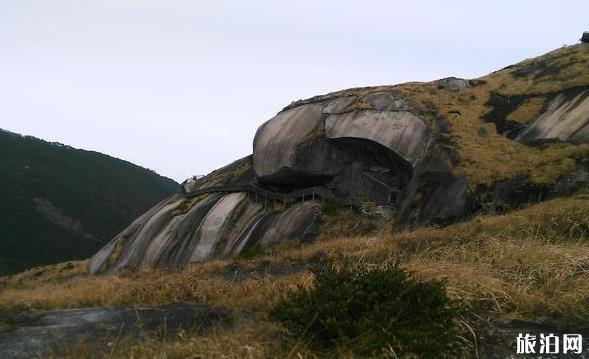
(59, 203)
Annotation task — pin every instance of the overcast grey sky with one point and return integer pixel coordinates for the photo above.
(180, 86)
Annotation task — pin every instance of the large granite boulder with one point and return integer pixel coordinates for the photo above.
(185, 229)
(423, 152)
(382, 117)
(175, 233)
(348, 147)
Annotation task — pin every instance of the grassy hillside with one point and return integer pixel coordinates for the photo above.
(530, 264)
(59, 203)
(524, 264)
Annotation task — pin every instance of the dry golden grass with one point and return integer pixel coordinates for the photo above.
(243, 340)
(357, 106)
(562, 68)
(527, 111)
(197, 283)
(521, 262)
(486, 156)
(530, 264)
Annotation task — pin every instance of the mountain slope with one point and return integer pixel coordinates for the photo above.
(415, 153)
(492, 147)
(59, 203)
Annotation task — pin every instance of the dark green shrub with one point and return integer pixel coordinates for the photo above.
(368, 311)
(330, 206)
(252, 253)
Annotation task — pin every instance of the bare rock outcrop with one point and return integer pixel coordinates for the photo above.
(182, 230)
(566, 119)
(382, 117)
(422, 151)
(347, 148)
(53, 333)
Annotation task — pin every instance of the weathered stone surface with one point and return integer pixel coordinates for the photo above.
(447, 202)
(111, 257)
(389, 120)
(453, 84)
(339, 104)
(400, 131)
(296, 222)
(236, 173)
(434, 195)
(565, 119)
(213, 226)
(355, 168)
(388, 147)
(42, 333)
(386, 101)
(179, 231)
(357, 146)
(276, 141)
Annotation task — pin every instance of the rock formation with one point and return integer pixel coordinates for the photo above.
(319, 151)
(428, 152)
(566, 119)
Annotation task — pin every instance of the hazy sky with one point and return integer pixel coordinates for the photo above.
(181, 86)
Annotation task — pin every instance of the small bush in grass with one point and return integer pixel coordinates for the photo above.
(330, 207)
(366, 311)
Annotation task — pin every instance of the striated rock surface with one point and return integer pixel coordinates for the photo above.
(453, 84)
(400, 131)
(276, 141)
(565, 119)
(184, 230)
(425, 153)
(350, 148)
(382, 117)
(360, 144)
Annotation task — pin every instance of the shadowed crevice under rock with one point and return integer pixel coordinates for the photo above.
(351, 168)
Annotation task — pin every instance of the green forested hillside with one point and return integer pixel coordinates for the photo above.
(59, 203)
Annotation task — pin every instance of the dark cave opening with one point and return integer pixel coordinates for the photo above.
(354, 169)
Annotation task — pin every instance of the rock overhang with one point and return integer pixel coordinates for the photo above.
(381, 116)
(357, 143)
(348, 147)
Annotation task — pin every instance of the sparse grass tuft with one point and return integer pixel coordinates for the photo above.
(528, 111)
(358, 106)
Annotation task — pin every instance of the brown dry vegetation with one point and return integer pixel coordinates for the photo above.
(559, 69)
(486, 156)
(530, 264)
(530, 110)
